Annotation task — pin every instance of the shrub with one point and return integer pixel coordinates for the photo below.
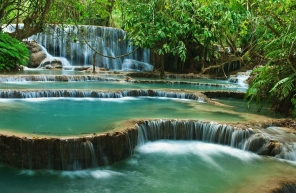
(12, 53)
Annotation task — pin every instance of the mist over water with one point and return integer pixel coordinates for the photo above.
(161, 166)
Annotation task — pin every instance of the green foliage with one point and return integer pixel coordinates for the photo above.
(275, 82)
(13, 53)
(88, 12)
(186, 27)
(264, 29)
(29, 16)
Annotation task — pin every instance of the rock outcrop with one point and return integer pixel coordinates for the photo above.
(37, 55)
(67, 153)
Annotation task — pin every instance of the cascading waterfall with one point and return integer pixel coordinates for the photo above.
(240, 78)
(245, 139)
(89, 149)
(67, 78)
(288, 152)
(64, 41)
(98, 150)
(77, 155)
(50, 59)
(96, 94)
(193, 130)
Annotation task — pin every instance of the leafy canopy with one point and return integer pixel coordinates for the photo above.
(187, 28)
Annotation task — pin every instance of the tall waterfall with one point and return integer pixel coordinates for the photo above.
(67, 41)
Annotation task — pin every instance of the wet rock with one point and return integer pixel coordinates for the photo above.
(225, 94)
(81, 68)
(37, 55)
(67, 154)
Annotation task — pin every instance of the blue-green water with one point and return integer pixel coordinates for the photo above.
(40, 71)
(162, 166)
(71, 116)
(114, 85)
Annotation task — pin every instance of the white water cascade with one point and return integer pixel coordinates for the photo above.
(240, 78)
(245, 139)
(66, 42)
(51, 59)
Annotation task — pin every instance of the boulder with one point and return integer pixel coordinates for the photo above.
(37, 54)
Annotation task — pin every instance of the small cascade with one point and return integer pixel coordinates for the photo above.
(285, 142)
(288, 152)
(129, 144)
(240, 78)
(104, 157)
(90, 152)
(203, 84)
(202, 131)
(97, 94)
(77, 154)
(62, 78)
(134, 65)
(99, 150)
(65, 42)
(53, 62)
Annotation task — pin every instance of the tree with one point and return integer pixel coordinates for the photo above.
(31, 14)
(87, 12)
(189, 29)
(275, 81)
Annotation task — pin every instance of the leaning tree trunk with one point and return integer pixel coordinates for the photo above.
(162, 73)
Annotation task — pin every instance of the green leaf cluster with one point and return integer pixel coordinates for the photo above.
(87, 12)
(257, 32)
(274, 83)
(186, 27)
(12, 53)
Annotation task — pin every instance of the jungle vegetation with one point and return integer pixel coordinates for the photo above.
(197, 35)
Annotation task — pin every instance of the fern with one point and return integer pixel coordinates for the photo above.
(13, 52)
(285, 86)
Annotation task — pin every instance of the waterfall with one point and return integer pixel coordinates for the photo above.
(77, 154)
(129, 64)
(203, 131)
(288, 152)
(90, 152)
(104, 149)
(65, 42)
(62, 78)
(96, 94)
(52, 60)
(245, 139)
(240, 78)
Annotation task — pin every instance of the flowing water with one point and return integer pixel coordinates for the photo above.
(162, 166)
(111, 85)
(65, 42)
(158, 166)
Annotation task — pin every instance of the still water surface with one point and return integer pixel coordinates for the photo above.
(72, 116)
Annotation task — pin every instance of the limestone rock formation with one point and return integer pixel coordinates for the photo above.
(37, 55)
